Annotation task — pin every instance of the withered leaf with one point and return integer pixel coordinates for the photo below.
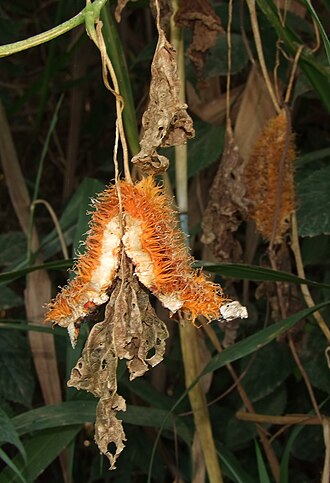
(166, 121)
(121, 4)
(130, 330)
(137, 329)
(200, 17)
(165, 10)
(226, 205)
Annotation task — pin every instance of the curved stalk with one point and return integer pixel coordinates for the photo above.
(51, 34)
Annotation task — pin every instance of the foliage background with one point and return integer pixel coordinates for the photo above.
(62, 124)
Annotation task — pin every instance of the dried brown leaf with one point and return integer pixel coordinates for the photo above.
(138, 332)
(165, 7)
(121, 4)
(130, 330)
(166, 121)
(200, 17)
(256, 100)
(222, 216)
(165, 10)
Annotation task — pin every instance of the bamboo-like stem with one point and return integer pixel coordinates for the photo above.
(51, 34)
(301, 273)
(326, 437)
(188, 334)
(258, 42)
(193, 367)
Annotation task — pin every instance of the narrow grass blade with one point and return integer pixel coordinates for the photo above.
(79, 412)
(263, 474)
(320, 26)
(258, 340)
(231, 466)
(252, 272)
(6, 277)
(5, 458)
(41, 451)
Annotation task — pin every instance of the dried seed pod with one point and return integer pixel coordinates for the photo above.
(270, 179)
(95, 270)
(156, 246)
(162, 263)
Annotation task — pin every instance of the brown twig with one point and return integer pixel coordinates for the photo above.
(108, 67)
(258, 42)
(305, 376)
(293, 74)
(230, 19)
(301, 273)
(289, 419)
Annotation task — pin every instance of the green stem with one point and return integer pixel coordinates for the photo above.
(116, 54)
(51, 34)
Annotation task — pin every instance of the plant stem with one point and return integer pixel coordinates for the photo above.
(188, 333)
(305, 419)
(51, 34)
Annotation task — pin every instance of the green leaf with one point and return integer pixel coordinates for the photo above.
(16, 324)
(206, 147)
(6, 277)
(313, 156)
(12, 246)
(284, 473)
(9, 299)
(16, 376)
(312, 355)
(231, 466)
(314, 203)
(79, 412)
(41, 450)
(148, 393)
(8, 433)
(263, 475)
(117, 56)
(252, 272)
(75, 208)
(217, 60)
(267, 369)
(258, 340)
(89, 189)
(312, 452)
(5, 458)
